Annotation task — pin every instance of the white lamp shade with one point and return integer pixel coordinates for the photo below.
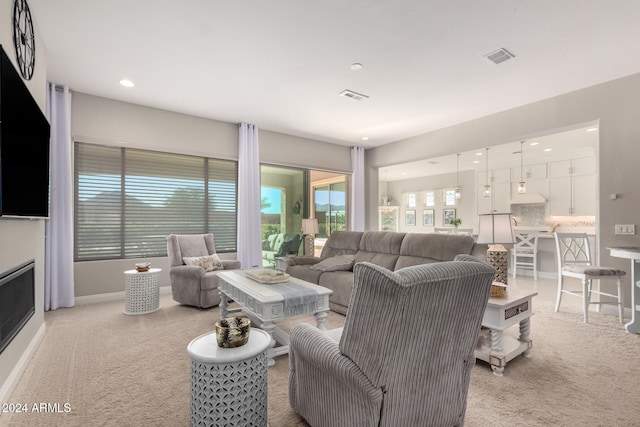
(310, 226)
(495, 228)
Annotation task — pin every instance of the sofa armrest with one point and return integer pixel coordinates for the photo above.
(231, 264)
(187, 271)
(310, 345)
(303, 260)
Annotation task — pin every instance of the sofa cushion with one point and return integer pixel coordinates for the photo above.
(422, 248)
(341, 283)
(335, 263)
(381, 242)
(210, 262)
(304, 272)
(192, 245)
(341, 243)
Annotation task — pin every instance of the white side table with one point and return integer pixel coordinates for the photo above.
(229, 385)
(496, 347)
(142, 291)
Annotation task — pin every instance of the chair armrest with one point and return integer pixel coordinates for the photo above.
(309, 345)
(231, 264)
(187, 271)
(303, 260)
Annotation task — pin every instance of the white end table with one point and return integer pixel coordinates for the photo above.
(632, 253)
(142, 291)
(502, 312)
(229, 385)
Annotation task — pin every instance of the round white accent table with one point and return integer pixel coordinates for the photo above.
(142, 291)
(229, 385)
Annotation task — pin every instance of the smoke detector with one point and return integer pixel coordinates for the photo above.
(353, 95)
(499, 56)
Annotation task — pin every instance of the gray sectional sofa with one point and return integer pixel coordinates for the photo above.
(334, 268)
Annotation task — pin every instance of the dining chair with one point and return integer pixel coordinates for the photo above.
(574, 260)
(524, 254)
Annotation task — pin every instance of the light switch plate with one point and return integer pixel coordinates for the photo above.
(625, 229)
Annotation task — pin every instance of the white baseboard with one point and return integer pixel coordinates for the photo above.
(612, 309)
(15, 375)
(112, 296)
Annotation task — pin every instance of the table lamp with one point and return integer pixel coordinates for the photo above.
(495, 229)
(309, 229)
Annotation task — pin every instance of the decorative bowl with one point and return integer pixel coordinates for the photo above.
(232, 331)
(141, 267)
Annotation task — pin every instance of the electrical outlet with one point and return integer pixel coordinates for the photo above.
(625, 229)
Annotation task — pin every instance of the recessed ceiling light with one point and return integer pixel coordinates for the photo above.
(365, 138)
(356, 66)
(534, 143)
(479, 153)
(547, 149)
(126, 83)
(592, 129)
(476, 161)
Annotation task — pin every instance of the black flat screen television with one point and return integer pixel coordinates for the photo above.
(24, 147)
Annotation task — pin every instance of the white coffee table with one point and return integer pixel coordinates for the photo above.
(264, 305)
(496, 347)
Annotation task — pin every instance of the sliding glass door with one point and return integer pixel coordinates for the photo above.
(287, 196)
(330, 207)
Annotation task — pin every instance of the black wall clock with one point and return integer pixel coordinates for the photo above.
(23, 38)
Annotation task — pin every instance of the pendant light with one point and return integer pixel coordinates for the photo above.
(487, 187)
(458, 193)
(522, 187)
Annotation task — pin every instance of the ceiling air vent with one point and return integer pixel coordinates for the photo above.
(499, 56)
(353, 95)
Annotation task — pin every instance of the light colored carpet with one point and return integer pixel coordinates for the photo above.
(114, 369)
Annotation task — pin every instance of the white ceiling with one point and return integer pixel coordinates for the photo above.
(280, 64)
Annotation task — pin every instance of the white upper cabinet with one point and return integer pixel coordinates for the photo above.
(537, 171)
(572, 187)
(583, 166)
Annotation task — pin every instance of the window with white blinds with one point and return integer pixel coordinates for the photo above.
(128, 200)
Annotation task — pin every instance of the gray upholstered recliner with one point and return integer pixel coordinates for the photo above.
(190, 284)
(406, 352)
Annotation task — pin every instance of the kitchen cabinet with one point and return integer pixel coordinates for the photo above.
(564, 168)
(388, 217)
(500, 200)
(539, 186)
(572, 187)
(531, 172)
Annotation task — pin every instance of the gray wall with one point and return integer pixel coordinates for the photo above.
(614, 105)
(110, 122)
(22, 239)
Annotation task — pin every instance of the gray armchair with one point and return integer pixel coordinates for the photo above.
(406, 352)
(190, 284)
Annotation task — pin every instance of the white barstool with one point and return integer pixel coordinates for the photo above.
(524, 253)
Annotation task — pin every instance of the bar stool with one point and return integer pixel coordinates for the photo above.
(524, 253)
(574, 260)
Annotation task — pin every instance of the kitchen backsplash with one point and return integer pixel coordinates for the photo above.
(529, 214)
(534, 215)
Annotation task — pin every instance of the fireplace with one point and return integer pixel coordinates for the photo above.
(17, 305)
